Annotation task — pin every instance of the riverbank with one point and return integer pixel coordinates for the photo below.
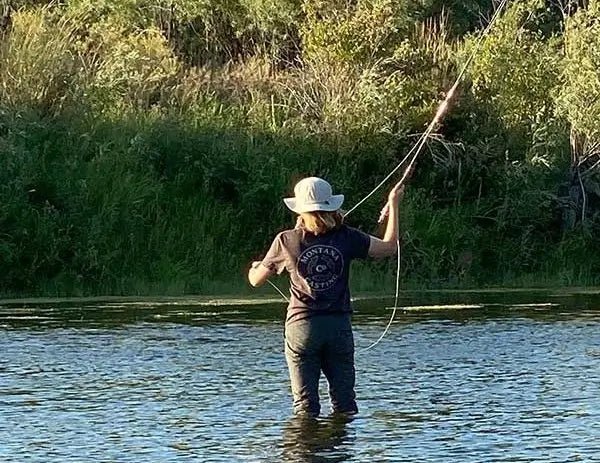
(233, 300)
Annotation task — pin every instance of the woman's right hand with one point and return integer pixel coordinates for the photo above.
(396, 194)
(394, 197)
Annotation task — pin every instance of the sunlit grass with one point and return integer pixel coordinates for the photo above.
(130, 169)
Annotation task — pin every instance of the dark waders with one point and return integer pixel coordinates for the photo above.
(321, 343)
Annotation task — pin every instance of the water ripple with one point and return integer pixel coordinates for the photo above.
(153, 383)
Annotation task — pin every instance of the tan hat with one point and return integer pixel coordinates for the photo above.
(313, 194)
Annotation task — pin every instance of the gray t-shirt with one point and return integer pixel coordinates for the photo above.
(319, 268)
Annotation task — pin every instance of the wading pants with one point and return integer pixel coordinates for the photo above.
(322, 343)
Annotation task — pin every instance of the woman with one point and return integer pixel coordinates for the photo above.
(317, 254)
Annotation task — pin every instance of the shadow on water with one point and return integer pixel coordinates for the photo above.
(413, 307)
(309, 440)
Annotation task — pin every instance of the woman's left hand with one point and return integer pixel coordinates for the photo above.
(258, 273)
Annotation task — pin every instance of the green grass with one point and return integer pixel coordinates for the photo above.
(133, 165)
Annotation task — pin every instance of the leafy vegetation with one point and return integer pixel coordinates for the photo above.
(145, 144)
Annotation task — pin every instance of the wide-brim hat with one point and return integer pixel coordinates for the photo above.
(313, 194)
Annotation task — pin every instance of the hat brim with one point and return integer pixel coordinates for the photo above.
(332, 205)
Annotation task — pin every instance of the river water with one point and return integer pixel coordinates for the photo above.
(471, 377)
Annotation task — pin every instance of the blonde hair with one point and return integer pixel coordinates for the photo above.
(320, 222)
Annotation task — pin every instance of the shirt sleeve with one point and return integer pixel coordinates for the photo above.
(359, 243)
(275, 258)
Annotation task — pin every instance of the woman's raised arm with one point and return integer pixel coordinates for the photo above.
(388, 245)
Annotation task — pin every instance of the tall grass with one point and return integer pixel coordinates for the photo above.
(128, 168)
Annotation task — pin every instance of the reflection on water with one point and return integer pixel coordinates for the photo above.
(310, 440)
(463, 377)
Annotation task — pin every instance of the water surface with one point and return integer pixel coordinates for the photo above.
(497, 377)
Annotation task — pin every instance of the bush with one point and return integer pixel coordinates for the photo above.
(146, 147)
(515, 73)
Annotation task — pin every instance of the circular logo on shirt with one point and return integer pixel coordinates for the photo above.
(321, 266)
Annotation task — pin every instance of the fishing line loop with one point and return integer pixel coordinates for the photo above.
(413, 153)
(417, 149)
